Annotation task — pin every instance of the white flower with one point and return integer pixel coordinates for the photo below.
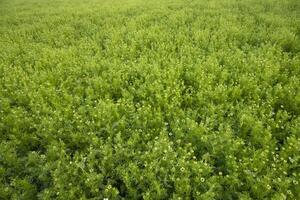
(295, 182)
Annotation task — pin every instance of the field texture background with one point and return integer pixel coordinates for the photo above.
(136, 99)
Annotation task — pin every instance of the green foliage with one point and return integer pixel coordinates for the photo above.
(138, 99)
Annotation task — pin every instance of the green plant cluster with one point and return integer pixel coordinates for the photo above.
(162, 99)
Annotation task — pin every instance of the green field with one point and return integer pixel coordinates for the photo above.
(141, 99)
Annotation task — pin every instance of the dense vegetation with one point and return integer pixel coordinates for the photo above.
(163, 99)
